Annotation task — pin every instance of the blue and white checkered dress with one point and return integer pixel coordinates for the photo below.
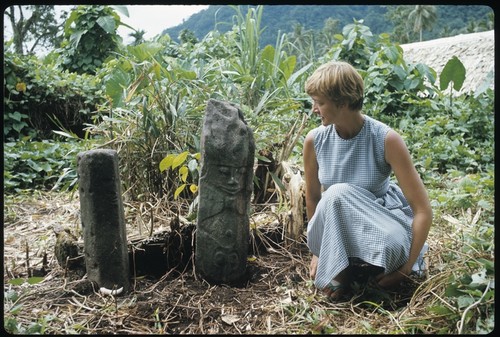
(361, 214)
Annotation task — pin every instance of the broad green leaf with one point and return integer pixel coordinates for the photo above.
(16, 281)
(187, 74)
(287, 66)
(16, 115)
(19, 126)
(427, 72)
(392, 54)
(45, 167)
(107, 23)
(35, 280)
(157, 70)
(453, 71)
(75, 38)
(193, 188)
(440, 310)
(121, 9)
(115, 86)
(398, 84)
(400, 72)
(489, 265)
(183, 172)
(166, 162)
(179, 190)
(145, 51)
(411, 83)
(179, 159)
(267, 55)
(70, 20)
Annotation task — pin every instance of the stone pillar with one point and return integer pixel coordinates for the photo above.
(103, 219)
(225, 188)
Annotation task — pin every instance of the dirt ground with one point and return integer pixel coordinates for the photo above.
(277, 298)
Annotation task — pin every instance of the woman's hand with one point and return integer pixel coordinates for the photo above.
(394, 278)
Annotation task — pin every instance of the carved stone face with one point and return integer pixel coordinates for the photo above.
(227, 149)
(227, 178)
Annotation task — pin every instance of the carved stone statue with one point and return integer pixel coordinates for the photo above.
(225, 188)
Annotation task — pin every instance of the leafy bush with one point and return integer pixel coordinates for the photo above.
(90, 38)
(39, 97)
(40, 165)
(461, 133)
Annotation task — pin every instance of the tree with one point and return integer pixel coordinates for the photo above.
(327, 34)
(138, 36)
(90, 37)
(34, 26)
(301, 43)
(187, 36)
(423, 17)
(398, 15)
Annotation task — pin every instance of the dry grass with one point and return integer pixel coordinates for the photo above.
(279, 298)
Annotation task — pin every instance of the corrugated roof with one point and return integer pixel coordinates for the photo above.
(476, 51)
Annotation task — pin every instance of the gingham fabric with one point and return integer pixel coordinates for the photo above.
(362, 213)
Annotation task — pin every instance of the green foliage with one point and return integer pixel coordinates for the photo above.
(90, 38)
(186, 165)
(469, 292)
(453, 71)
(148, 104)
(156, 100)
(39, 98)
(154, 108)
(423, 17)
(35, 165)
(461, 133)
(13, 305)
(187, 36)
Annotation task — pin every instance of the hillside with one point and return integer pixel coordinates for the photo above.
(451, 19)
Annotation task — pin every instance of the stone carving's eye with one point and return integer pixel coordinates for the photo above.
(224, 170)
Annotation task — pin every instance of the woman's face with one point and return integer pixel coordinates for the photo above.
(324, 108)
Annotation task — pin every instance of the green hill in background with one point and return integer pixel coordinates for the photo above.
(451, 19)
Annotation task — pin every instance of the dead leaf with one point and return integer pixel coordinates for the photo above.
(230, 319)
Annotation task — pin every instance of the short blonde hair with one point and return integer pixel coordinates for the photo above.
(338, 81)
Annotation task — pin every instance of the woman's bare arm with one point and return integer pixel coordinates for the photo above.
(398, 156)
(313, 187)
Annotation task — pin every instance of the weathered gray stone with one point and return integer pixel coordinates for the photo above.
(103, 219)
(225, 188)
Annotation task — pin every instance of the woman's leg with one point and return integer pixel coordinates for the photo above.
(339, 284)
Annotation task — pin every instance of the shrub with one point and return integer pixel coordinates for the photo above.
(40, 165)
(39, 98)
